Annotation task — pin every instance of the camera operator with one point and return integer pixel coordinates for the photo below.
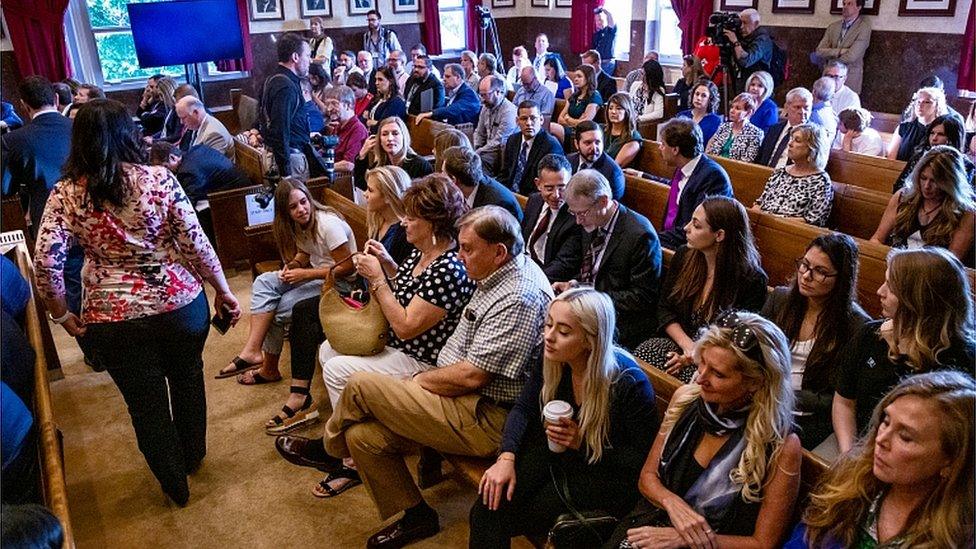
(345, 125)
(751, 46)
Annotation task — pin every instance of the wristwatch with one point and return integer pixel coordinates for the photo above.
(61, 319)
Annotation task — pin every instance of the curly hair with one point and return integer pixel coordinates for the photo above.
(436, 200)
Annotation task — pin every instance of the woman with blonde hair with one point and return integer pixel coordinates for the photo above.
(390, 146)
(725, 466)
(600, 447)
(802, 190)
(927, 325)
(623, 141)
(385, 186)
(910, 482)
(737, 138)
(935, 209)
(927, 104)
(760, 86)
(469, 62)
(582, 105)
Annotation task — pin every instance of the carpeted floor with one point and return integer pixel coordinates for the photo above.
(245, 495)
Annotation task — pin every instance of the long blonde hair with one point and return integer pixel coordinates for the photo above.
(839, 503)
(391, 182)
(166, 88)
(595, 314)
(286, 231)
(934, 308)
(380, 158)
(949, 174)
(770, 418)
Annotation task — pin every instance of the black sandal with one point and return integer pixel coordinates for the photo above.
(293, 418)
(240, 366)
(341, 473)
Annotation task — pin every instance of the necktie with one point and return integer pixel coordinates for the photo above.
(523, 156)
(540, 229)
(672, 212)
(780, 147)
(587, 273)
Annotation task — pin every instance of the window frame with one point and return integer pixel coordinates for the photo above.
(463, 10)
(665, 59)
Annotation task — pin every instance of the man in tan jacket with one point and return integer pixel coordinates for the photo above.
(846, 40)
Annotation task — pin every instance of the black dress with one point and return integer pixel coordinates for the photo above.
(913, 133)
(415, 165)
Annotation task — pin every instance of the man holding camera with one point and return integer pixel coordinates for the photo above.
(752, 47)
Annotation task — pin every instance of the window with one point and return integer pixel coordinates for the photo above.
(668, 35)
(453, 29)
(622, 11)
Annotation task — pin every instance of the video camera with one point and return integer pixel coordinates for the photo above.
(484, 15)
(721, 21)
(321, 162)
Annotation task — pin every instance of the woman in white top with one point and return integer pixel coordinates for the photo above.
(648, 92)
(857, 135)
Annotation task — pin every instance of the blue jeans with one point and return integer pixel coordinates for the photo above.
(270, 293)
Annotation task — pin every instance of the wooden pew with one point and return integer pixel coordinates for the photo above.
(649, 129)
(870, 172)
(246, 108)
(251, 161)
(12, 215)
(646, 197)
(422, 135)
(885, 122)
(748, 180)
(857, 211)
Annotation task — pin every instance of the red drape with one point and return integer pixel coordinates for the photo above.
(692, 20)
(37, 34)
(472, 25)
(581, 27)
(967, 64)
(247, 62)
(432, 27)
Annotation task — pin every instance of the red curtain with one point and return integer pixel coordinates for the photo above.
(37, 34)
(967, 65)
(472, 25)
(581, 27)
(432, 27)
(247, 62)
(692, 20)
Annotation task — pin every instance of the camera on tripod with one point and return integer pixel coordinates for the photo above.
(484, 14)
(721, 21)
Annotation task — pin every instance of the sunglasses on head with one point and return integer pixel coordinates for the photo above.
(742, 337)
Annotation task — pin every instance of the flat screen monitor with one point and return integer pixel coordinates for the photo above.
(185, 32)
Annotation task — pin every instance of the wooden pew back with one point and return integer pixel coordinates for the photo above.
(646, 197)
(250, 161)
(869, 172)
(857, 211)
(748, 180)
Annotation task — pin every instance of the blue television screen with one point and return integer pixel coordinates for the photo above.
(184, 32)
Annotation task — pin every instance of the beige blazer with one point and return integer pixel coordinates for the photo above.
(855, 43)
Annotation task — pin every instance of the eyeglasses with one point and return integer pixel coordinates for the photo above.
(819, 274)
(583, 213)
(742, 337)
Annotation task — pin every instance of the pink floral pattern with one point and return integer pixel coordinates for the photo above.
(147, 257)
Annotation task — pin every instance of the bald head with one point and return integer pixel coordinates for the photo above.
(191, 112)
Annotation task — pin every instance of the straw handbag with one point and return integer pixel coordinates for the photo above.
(351, 331)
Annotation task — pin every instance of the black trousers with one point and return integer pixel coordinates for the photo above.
(304, 338)
(157, 364)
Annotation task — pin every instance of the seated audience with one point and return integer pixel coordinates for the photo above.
(551, 234)
(696, 177)
(461, 103)
(387, 101)
(385, 211)
(203, 127)
(390, 147)
(589, 143)
(364, 62)
(908, 484)
(542, 54)
(422, 83)
(83, 94)
(704, 106)
(844, 97)
(170, 128)
(724, 470)
(525, 148)
(420, 50)
(614, 418)
(360, 89)
(716, 270)
(445, 139)
(944, 130)
(928, 104)
(802, 190)
(819, 314)
(623, 140)
(15, 292)
(495, 123)
(469, 62)
(823, 110)
(396, 61)
(737, 138)
(457, 407)
(691, 72)
(314, 115)
(856, 133)
(773, 151)
(648, 93)
(621, 254)
(317, 78)
(638, 73)
(489, 65)
(935, 209)
(605, 83)
(927, 325)
(344, 124)
(520, 60)
(581, 106)
(151, 110)
(345, 66)
(556, 79)
(760, 86)
(463, 167)
(530, 89)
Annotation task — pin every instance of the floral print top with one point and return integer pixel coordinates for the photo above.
(144, 258)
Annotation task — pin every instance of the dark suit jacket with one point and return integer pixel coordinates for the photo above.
(563, 254)
(205, 170)
(463, 110)
(492, 192)
(708, 179)
(33, 156)
(543, 143)
(768, 146)
(606, 85)
(608, 168)
(630, 274)
(430, 83)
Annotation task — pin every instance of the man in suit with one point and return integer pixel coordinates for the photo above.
(552, 237)
(463, 166)
(772, 152)
(621, 255)
(846, 40)
(589, 143)
(696, 176)
(525, 148)
(495, 123)
(421, 83)
(605, 83)
(204, 128)
(461, 103)
(364, 62)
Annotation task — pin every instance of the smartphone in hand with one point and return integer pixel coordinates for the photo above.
(221, 320)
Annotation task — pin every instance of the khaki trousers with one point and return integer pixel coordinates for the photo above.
(380, 419)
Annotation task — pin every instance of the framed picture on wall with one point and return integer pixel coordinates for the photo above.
(267, 10)
(793, 6)
(315, 8)
(540, 3)
(360, 7)
(564, 3)
(738, 5)
(870, 7)
(929, 8)
(406, 6)
(502, 3)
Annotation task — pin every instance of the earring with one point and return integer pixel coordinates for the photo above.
(433, 239)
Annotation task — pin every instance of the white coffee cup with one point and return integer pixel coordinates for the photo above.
(553, 411)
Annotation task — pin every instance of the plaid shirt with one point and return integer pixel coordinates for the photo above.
(501, 329)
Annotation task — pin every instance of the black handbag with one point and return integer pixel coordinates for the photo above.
(578, 530)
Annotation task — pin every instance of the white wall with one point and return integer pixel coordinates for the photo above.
(340, 18)
(886, 20)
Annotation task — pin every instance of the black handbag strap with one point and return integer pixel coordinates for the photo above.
(562, 490)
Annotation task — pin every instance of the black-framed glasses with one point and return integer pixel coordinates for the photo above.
(819, 274)
(583, 213)
(742, 337)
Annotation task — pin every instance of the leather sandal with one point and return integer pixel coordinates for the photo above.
(324, 490)
(293, 418)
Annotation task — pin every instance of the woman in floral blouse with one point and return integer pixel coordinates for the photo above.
(802, 190)
(737, 138)
(144, 308)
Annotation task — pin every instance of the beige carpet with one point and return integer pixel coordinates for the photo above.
(245, 495)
